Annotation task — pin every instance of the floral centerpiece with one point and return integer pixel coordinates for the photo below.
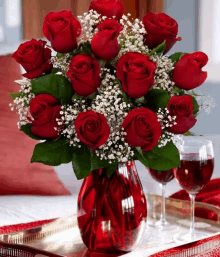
(109, 96)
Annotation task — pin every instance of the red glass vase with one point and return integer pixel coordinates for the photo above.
(112, 211)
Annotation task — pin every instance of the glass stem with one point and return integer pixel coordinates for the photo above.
(163, 219)
(192, 226)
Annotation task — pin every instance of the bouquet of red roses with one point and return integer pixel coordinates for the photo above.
(110, 94)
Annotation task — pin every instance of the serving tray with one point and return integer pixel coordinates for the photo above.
(62, 236)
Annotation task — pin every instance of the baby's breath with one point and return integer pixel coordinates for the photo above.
(89, 21)
(110, 103)
(21, 103)
(177, 140)
(206, 102)
(62, 63)
(69, 114)
(163, 73)
(131, 38)
(166, 121)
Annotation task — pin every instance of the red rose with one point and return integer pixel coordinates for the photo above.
(44, 108)
(108, 8)
(62, 30)
(188, 73)
(160, 27)
(34, 57)
(136, 72)
(143, 128)
(84, 73)
(92, 129)
(104, 44)
(181, 107)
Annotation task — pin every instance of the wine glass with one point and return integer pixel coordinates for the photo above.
(195, 170)
(163, 177)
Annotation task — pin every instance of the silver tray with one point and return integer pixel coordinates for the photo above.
(62, 236)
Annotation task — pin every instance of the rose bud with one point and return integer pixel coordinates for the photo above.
(187, 73)
(143, 128)
(181, 107)
(45, 109)
(108, 8)
(92, 129)
(104, 44)
(34, 57)
(136, 72)
(160, 27)
(84, 73)
(62, 30)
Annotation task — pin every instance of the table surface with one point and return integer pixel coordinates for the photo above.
(62, 236)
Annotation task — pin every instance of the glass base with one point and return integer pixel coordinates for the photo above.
(164, 226)
(189, 237)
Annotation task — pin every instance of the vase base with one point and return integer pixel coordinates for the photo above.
(104, 252)
(112, 211)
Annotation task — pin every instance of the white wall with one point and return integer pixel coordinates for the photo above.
(10, 22)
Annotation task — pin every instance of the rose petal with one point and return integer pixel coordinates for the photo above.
(101, 132)
(108, 8)
(188, 75)
(183, 125)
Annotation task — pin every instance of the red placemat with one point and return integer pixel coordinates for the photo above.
(209, 194)
(23, 226)
(195, 249)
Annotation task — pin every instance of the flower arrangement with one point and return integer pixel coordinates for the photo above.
(110, 94)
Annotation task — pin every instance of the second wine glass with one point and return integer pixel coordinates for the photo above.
(195, 171)
(163, 177)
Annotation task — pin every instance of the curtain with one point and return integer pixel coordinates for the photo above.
(138, 8)
(34, 11)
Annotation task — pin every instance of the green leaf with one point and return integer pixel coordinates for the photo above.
(102, 63)
(85, 48)
(111, 169)
(125, 97)
(140, 100)
(55, 70)
(75, 96)
(159, 49)
(20, 94)
(113, 62)
(92, 96)
(14, 95)
(157, 98)
(60, 55)
(195, 104)
(178, 90)
(188, 133)
(96, 163)
(85, 161)
(163, 158)
(176, 57)
(81, 162)
(27, 130)
(53, 153)
(55, 85)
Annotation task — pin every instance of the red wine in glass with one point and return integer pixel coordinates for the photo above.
(163, 177)
(195, 171)
(194, 174)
